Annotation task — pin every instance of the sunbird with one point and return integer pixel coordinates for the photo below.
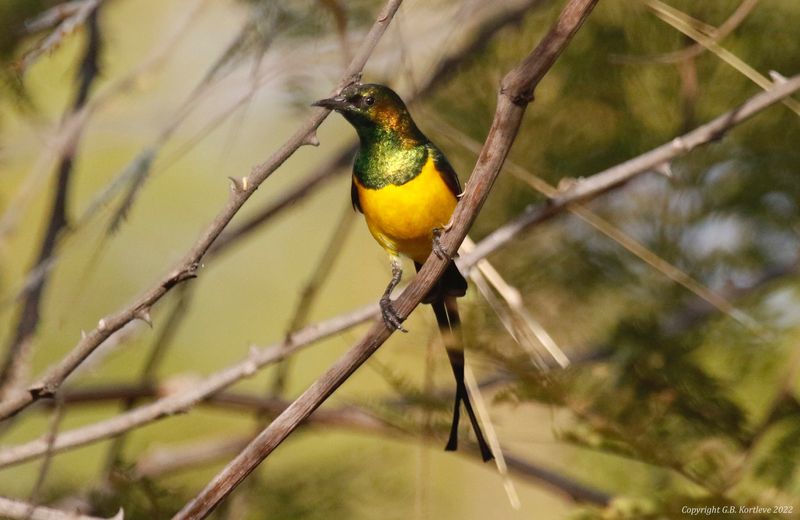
(407, 191)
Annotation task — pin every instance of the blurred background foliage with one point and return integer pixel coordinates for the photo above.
(668, 402)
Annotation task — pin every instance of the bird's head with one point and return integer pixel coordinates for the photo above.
(372, 107)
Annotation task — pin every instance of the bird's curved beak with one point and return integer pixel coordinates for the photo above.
(334, 103)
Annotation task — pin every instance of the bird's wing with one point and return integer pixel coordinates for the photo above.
(447, 172)
(354, 195)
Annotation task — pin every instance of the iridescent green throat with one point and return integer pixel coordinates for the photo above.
(388, 156)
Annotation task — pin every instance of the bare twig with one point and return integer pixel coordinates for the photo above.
(19, 350)
(55, 424)
(70, 128)
(310, 290)
(599, 183)
(185, 399)
(241, 190)
(81, 12)
(522, 326)
(716, 34)
(687, 25)
(18, 510)
(515, 93)
(147, 375)
(491, 436)
(162, 461)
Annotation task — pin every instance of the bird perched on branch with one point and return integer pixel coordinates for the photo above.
(407, 191)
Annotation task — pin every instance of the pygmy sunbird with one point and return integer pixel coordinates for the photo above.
(407, 191)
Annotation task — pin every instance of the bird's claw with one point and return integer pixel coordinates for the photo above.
(390, 316)
(438, 250)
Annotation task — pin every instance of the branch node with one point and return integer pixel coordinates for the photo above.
(520, 99)
(567, 183)
(42, 390)
(182, 275)
(250, 368)
(101, 325)
(679, 144)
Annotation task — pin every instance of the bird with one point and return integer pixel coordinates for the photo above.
(407, 191)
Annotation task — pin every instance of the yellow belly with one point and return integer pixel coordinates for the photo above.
(402, 218)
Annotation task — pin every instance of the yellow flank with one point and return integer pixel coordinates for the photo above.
(402, 218)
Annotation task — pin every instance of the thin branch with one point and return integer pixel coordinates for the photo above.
(185, 399)
(44, 469)
(169, 460)
(613, 232)
(79, 12)
(687, 25)
(162, 461)
(18, 510)
(323, 270)
(599, 183)
(72, 126)
(515, 93)
(557, 482)
(716, 34)
(522, 326)
(147, 374)
(20, 349)
(310, 290)
(187, 268)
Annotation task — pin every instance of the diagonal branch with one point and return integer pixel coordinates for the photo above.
(599, 183)
(515, 93)
(187, 268)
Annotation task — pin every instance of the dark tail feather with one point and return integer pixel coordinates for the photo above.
(446, 310)
(450, 284)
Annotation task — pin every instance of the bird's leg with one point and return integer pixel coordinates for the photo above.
(437, 240)
(390, 316)
(438, 250)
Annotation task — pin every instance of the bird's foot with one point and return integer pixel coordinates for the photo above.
(390, 316)
(438, 250)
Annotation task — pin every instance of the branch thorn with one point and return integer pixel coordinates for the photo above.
(238, 185)
(144, 315)
(665, 169)
(311, 139)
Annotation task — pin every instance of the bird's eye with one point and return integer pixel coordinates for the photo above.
(369, 100)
